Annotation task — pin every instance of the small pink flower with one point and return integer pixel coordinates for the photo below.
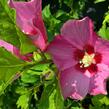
(29, 20)
(82, 59)
(15, 51)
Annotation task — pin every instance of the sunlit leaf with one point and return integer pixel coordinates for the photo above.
(9, 66)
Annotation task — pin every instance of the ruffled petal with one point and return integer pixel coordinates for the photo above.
(15, 51)
(29, 20)
(74, 84)
(62, 53)
(79, 32)
(98, 81)
(102, 47)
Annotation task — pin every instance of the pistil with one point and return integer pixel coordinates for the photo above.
(87, 60)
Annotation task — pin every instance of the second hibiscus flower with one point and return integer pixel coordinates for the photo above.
(29, 20)
(81, 57)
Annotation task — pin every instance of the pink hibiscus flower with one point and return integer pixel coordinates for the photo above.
(15, 51)
(82, 59)
(29, 20)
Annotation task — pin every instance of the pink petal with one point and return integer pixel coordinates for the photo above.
(62, 53)
(98, 81)
(102, 47)
(29, 20)
(78, 32)
(26, 57)
(74, 84)
(13, 50)
(7, 46)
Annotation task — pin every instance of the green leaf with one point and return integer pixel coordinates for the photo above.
(51, 97)
(52, 101)
(39, 69)
(59, 100)
(9, 66)
(100, 100)
(96, 100)
(23, 101)
(69, 2)
(26, 43)
(21, 90)
(7, 24)
(96, 107)
(98, 1)
(44, 101)
(51, 24)
(104, 100)
(29, 77)
(104, 30)
(46, 12)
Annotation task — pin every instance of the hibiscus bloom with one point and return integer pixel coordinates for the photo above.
(82, 59)
(29, 20)
(15, 51)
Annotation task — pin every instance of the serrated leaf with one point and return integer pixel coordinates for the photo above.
(23, 101)
(7, 24)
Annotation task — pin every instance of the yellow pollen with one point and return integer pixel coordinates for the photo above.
(87, 60)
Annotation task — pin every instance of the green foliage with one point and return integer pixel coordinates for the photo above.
(7, 24)
(9, 66)
(29, 77)
(100, 101)
(51, 97)
(44, 101)
(59, 100)
(50, 24)
(57, 19)
(23, 100)
(104, 30)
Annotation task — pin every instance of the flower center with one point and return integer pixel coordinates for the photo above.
(87, 60)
